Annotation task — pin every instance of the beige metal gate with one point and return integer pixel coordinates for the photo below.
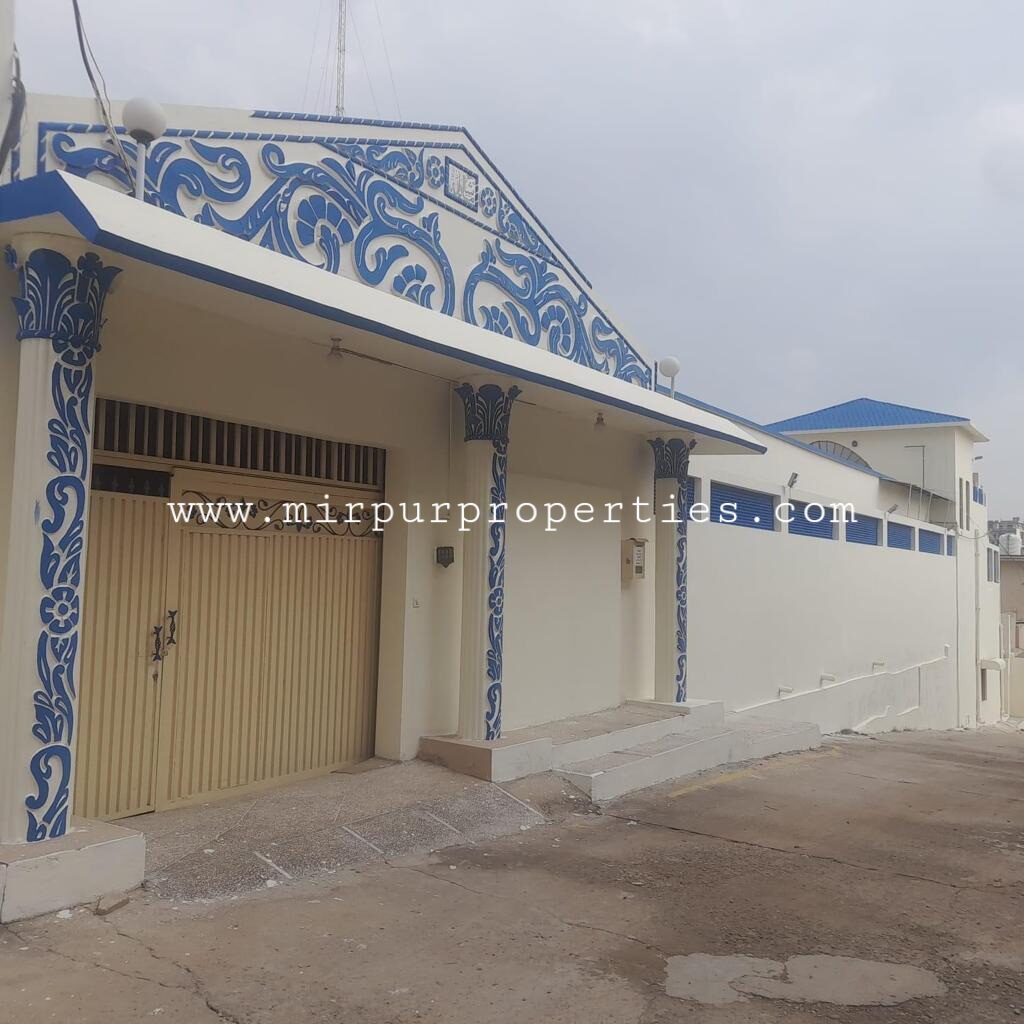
(119, 681)
(273, 672)
(223, 656)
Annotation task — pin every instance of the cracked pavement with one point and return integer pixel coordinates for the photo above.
(905, 849)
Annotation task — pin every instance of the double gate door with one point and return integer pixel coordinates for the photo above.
(219, 656)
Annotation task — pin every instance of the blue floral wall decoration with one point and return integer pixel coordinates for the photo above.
(378, 210)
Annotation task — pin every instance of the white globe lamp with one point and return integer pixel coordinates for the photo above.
(669, 366)
(145, 122)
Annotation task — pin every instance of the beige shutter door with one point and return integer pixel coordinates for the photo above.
(119, 682)
(274, 671)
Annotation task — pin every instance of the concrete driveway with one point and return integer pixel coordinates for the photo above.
(875, 880)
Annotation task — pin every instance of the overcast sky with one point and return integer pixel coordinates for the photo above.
(805, 202)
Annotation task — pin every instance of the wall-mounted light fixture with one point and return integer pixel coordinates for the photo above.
(444, 556)
(599, 423)
(892, 508)
(793, 477)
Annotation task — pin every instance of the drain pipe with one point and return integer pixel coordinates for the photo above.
(977, 630)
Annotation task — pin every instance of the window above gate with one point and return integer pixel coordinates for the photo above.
(127, 428)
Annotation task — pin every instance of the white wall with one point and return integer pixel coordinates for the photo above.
(772, 612)
(886, 452)
(990, 709)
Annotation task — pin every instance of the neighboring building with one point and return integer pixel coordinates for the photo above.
(1003, 531)
(309, 309)
(1008, 535)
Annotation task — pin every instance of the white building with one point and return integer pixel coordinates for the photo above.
(308, 309)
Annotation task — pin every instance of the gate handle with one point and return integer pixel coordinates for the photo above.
(172, 630)
(157, 656)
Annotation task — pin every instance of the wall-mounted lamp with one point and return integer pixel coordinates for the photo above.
(793, 477)
(599, 423)
(892, 508)
(444, 556)
(145, 122)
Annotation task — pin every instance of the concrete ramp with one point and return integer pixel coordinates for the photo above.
(734, 738)
(318, 827)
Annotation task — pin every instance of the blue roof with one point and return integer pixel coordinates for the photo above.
(744, 421)
(864, 412)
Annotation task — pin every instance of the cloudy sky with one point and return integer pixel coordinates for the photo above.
(804, 201)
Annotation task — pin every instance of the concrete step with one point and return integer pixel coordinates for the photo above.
(635, 723)
(672, 756)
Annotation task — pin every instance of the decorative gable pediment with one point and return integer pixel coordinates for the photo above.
(416, 210)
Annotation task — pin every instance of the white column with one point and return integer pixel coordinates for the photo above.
(60, 312)
(671, 469)
(487, 408)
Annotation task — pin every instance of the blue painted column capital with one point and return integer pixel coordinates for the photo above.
(60, 314)
(671, 458)
(61, 301)
(488, 409)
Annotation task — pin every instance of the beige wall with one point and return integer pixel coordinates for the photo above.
(1011, 586)
(562, 628)
(167, 355)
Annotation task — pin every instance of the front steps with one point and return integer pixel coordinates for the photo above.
(638, 744)
(633, 723)
(703, 745)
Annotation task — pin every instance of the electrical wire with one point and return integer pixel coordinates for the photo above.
(312, 51)
(366, 67)
(12, 133)
(85, 49)
(323, 89)
(387, 58)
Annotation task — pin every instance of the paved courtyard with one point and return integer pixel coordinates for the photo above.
(874, 880)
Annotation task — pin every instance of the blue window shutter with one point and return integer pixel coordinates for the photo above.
(900, 536)
(750, 508)
(950, 544)
(929, 541)
(863, 530)
(691, 490)
(804, 527)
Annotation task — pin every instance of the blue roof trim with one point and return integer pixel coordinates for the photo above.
(285, 115)
(750, 424)
(861, 413)
(48, 193)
